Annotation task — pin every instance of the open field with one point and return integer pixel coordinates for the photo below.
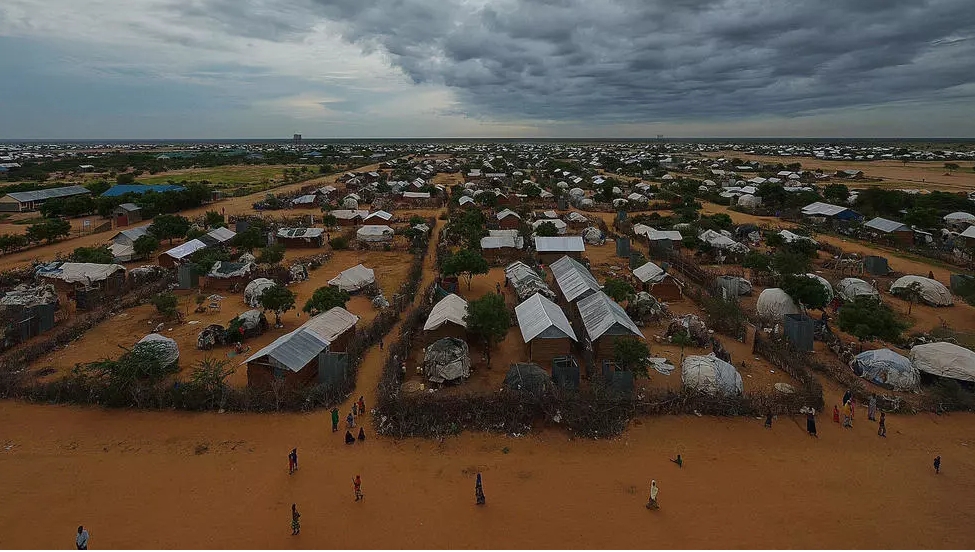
(178, 480)
(227, 176)
(895, 174)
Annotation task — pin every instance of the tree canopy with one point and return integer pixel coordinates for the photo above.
(633, 355)
(488, 318)
(808, 291)
(546, 229)
(468, 227)
(145, 245)
(279, 299)
(99, 254)
(867, 318)
(49, 230)
(169, 227)
(272, 254)
(466, 262)
(618, 290)
(325, 298)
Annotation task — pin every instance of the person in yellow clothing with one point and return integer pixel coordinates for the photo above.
(847, 415)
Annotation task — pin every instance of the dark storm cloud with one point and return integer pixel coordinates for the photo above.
(622, 60)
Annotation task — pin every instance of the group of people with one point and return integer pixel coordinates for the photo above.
(849, 411)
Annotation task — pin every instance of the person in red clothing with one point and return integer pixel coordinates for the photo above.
(836, 414)
(357, 486)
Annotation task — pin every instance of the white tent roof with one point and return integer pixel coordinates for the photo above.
(849, 288)
(254, 290)
(122, 252)
(540, 317)
(933, 292)
(775, 303)
(887, 368)
(83, 273)
(789, 237)
(451, 308)
(383, 215)
(168, 347)
(959, 216)
(353, 279)
(709, 374)
(184, 250)
(374, 233)
(944, 359)
(559, 244)
(508, 213)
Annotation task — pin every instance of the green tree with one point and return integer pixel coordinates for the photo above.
(867, 318)
(98, 187)
(468, 228)
(912, 294)
(99, 255)
(214, 219)
(923, 217)
(837, 193)
(9, 242)
(329, 220)
(272, 254)
(488, 318)
(632, 355)
(145, 245)
(757, 261)
(49, 230)
(681, 339)
(169, 227)
(465, 262)
(618, 290)
(810, 292)
(326, 298)
(951, 167)
(278, 299)
(546, 229)
(125, 178)
(166, 304)
(250, 239)
(786, 262)
(209, 376)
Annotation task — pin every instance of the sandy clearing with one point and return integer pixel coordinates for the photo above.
(134, 479)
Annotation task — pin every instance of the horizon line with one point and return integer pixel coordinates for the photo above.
(499, 138)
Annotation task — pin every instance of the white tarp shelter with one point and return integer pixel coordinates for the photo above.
(886, 368)
(850, 288)
(709, 374)
(932, 292)
(447, 359)
(451, 308)
(354, 279)
(775, 303)
(167, 348)
(374, 233)
(255, 289)
(944, 359)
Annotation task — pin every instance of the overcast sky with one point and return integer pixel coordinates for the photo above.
(486, 68)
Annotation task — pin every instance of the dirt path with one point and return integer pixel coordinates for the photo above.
(179, 480)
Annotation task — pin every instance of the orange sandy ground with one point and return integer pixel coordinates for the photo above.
(929, 175)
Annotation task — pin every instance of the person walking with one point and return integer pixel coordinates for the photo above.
(295, 517)
(362, 435)
(335, 419)
(478, 491)
(847, 416)
(847, 396)
(81, 541)
(872, 409)
(294, 457)
(937, 464)
(362, 406)
(652, 504)
(350, 420)
(836, 414)
(679, 461)
(768, 420)
(357, 487)
(882, 430)
(291, 463)
(811, 421)
(380, 344)
(355, 409)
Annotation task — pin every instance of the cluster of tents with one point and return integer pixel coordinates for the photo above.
(892, 370)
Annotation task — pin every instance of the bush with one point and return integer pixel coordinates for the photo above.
(339, 243)
(867, 318)
(166, 304)
(99, 255)
(273, 254)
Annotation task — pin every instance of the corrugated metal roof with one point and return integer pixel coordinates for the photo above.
(559, 244)
(600, 315)
(292, 351)
(416, 195)
(50, 193)
(133, 233)
(222, 234)
(824, 209)
(885, 225)
(573, 278)
(380, 215)
(129, 207)
(451, 308)
(649, 273)
(121, 189)
(538, 315)
(500, 242)
(300, 232)
(508, 213)
(185, 249)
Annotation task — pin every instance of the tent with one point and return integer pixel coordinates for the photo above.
(253, 322)
(354, 279)
(734, 284)
(749, 201)
(447, 360)
(932, 292)
(720, 241)
(166, 348)
(214, 334)
(710, 375)
(528, 378)
(254, 290)
(451, 308)
(887, 368)
(593, 236)
(775, 303)
(374, 233)
(850, 288)
(944, 359)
